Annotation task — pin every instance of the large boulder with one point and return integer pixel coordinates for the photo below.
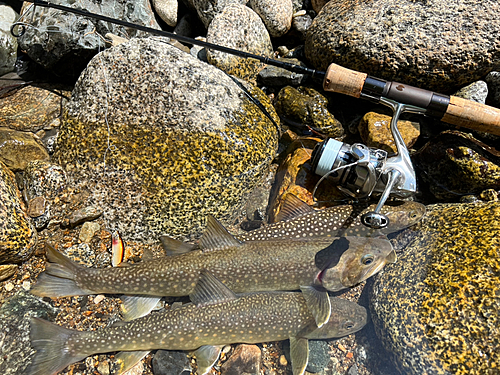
(160, 139)
(433, 44)
(438, 308)
(65, 42)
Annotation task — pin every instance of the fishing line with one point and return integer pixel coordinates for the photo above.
(326, 175)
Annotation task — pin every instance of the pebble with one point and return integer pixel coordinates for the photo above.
(89, 229)
(476, 91)
(99, 298)
(8, 287)
(170, 362)
(283, 361)
(276, 14)
(88, 213)
(245, 359)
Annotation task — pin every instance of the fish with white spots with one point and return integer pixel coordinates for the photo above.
(216, 317)
(297, 219)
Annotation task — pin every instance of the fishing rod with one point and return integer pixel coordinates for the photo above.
(358, 170)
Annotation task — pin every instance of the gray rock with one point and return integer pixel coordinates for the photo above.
(476, 91)
(244, 360)
(275, 76)
(276, 15)
(167, 10)
(301, 24)
(238, 26)
(65, 42)
(318, 356)
(19, 148)
(15, 346)
(208, 9)
(18, 236)
(169, 362)
(43, 180)
(8, 43)
(437, 308)
(493, 81)
(437, 45)
(163, 141)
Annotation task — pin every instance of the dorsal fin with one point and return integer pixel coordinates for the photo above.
(209, 291)
(293, 207)
(175, 247)
(216, 237)
(147, 255)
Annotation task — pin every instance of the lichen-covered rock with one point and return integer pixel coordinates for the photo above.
(305, 106)
(64, 42)
(17, 234)
(455, 163)
(42, 181)
(15, 314)
(276, 15)
(375, 130)
(437, 45)
(239, 27)
(8, 43)
(17, 149)
(160, 140)
(33, 108)
(438, 308)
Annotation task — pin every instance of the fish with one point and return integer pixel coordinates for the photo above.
(242, 266)
(297, 219)
(215, 317)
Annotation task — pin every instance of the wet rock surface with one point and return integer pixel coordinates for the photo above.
(442, 294)
(415, 42)
(17, 149)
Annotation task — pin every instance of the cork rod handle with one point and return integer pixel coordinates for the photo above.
(344, 81)
(472, 115)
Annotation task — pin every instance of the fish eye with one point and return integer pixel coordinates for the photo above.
(348, 325)
(367, 259)
(413, 214)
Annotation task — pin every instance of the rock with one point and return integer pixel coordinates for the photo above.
(15, 314)
(208, 9)
(317, 5)
(18, 236)
(420, 43)
(82, 215)
(8, 43)
(244, 360)
(476, 91)
(88, 230)
(7, 270)
(437, 309)
(375, 130)
(169, 362)
(455, 164)
(17, 149)
(301, 22)
(275, 76)
(295, 176)
(305, 106)
(184, 141)
(239, 27)
(493, 81)
(81, 254)
(33, 108)
(167, 10)
(276, 15)
(64, 43)
(318, 356)
(43, 181)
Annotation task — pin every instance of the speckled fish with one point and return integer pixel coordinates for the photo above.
(297, 219)
(333, 263)
(217, 317)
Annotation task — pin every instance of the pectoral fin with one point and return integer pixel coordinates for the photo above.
(318, 303)
(299, 354)
(134, 307)
(126, 360)
(206, 356)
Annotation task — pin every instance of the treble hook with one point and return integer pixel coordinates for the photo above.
(21, 26)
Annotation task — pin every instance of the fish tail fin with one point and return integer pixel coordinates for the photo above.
(50, 342)
(59, 278)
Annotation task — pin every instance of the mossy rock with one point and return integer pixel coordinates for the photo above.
(161, 140)
(438, 308)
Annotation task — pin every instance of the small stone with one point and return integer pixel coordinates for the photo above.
(318, 356)
(7, 270)
(103, 368)
(81, 254)
(276, 15)
(88, 213)
(37, 206)
(168, 362)
(245, 359)
(89, 229)
(283, 361)
(476, 91)
(374, 129)
(8, 287)
(26, 285)
(99, 298)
